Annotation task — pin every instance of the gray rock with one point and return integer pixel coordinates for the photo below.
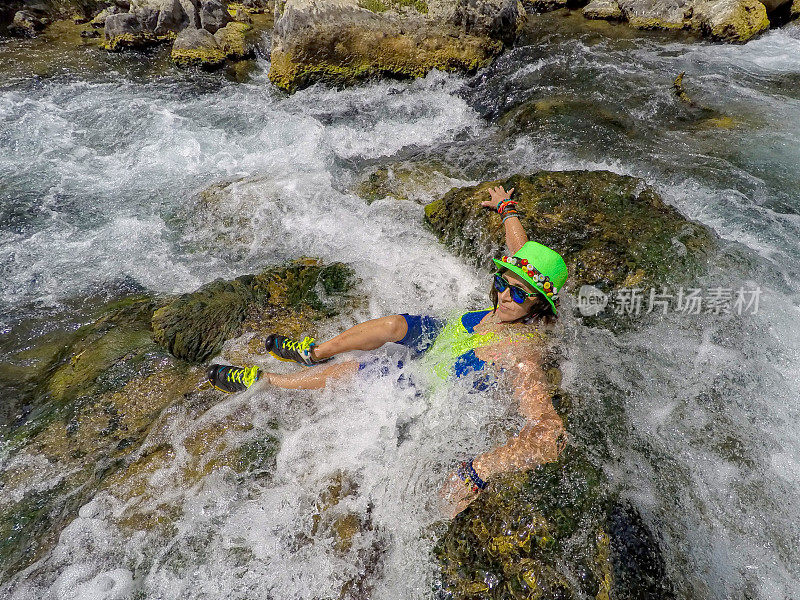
(344, 41)
(122, 24)
(654, 14)
(213, 15)
(99, 20)
(197, 47)
(723, 20)
(730, 20)
(160, 16)
(26, 24)
(603, 9)
(171, 17)
(192, 10)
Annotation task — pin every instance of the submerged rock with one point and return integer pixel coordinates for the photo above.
(553, 532)
(613, 230)
(347, 40)
(101, 398)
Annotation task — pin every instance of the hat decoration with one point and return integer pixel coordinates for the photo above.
(543, 280)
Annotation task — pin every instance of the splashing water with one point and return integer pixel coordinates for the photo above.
(693, 415)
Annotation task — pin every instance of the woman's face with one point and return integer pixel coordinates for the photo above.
(507, 308)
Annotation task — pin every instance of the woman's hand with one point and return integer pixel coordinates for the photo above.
(456, 495)
(498, 194)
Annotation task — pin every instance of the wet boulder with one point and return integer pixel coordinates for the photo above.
(160, 17)
(613, 230)
(99, 403)
(348, 40)
(125, 31)
(603, 9)
(148, 22)
(194, 326)
(197, 48)
(27, 24)
(234, 41)
(556, 531)
(723, 20)
(730, 20)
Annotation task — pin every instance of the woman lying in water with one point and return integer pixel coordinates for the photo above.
(506, 338)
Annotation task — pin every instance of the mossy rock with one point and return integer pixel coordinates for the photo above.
(98, 393)
(194, 326)
(348, 41)
(554, 532)
(612, 230)
(542, 112)
(408, 180)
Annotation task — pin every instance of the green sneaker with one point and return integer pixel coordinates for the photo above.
(283, 348)
(228, 378)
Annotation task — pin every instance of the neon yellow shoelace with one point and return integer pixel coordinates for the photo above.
(245, 376)
(299, 346)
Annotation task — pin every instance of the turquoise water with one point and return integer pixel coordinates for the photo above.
(694, 416)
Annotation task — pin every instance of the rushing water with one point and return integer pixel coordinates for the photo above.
(695, 416)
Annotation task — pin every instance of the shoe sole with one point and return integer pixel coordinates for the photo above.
(220, 389)
(288, 359)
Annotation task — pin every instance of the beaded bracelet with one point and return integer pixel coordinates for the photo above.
(505, 205)
(509, 215)
(469, 476)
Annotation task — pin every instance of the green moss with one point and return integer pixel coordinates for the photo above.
(137, 40)
(612, 230)
(745, 22)
(234, 42)
(198, 57)
(375, 6)
(378, 6)
(25, 529)
(654, 23)
(352, 55)
(257, 457)
(530, 535)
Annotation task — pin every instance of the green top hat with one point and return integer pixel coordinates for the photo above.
(540, 266)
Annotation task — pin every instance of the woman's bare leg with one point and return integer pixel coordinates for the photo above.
(368, 335)
(312, 378)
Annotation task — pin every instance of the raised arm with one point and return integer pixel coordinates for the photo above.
(515, 234)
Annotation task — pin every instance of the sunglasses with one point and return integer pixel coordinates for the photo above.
(518, 295)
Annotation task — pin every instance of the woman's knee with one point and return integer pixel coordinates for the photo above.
(397, 327)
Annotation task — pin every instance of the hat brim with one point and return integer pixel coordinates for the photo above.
(527, 279)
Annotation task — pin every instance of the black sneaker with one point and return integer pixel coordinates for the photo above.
(284, 348)
(232, 379)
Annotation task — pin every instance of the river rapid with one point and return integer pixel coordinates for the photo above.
(693, 416)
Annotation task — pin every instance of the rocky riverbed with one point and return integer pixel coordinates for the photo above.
(155, 215)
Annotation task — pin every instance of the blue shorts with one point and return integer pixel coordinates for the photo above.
(422, 332)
